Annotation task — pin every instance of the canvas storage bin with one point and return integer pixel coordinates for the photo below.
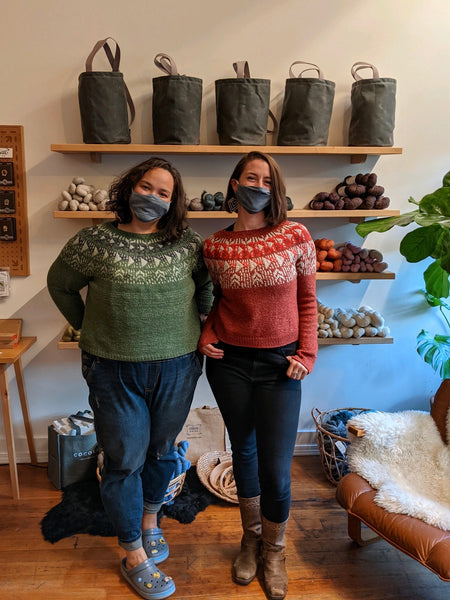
(307, 108)
(103, 98)
(177, 105)
(372, 108)
(242, 108)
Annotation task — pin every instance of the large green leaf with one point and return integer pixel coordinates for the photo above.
(425, 219)
(442, 247)
(385, 223)
(433, 301)
(435, 351)
(420, 243)
(437, 280)
(446, 180)
(437, 202)
(445, 262)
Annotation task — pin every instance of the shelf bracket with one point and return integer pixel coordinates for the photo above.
(358, 158)
(96, 157)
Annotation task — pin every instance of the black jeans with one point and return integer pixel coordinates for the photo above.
(260, 406)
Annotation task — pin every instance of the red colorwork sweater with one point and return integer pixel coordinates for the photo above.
(265, 281)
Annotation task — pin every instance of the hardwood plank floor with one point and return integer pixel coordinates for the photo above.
(322, 562)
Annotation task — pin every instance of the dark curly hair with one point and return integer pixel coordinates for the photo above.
(276, 212)
(173, 223)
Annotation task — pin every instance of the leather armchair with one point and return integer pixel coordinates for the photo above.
(425, 543)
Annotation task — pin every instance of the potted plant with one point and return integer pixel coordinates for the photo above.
(430, 239)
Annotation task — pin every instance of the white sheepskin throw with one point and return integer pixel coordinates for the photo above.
(403, 457)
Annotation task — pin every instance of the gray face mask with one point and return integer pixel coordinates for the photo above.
(148, 207)
(252, 198)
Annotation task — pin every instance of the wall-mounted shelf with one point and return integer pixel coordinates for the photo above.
(358, 154)
(355, 277)
(355, 341)
(321, 341)
(296, 213)
(67, 345)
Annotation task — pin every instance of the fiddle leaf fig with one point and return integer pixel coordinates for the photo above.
(442, 247)
(433, 301)
(425, 219)
(430, 239)
(385, 223)
(437, 203)
(419, 243)
(445, 262)
(435, 351)
(437, 280)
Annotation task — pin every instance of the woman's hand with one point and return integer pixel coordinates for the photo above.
(211, 351)
(296, 370)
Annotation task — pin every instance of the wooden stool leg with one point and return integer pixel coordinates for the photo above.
(354, 531)
(26, 415)
(9, 434)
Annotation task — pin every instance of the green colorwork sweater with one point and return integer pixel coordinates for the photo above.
(143, 298)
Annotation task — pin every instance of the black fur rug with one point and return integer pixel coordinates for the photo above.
(81, 509)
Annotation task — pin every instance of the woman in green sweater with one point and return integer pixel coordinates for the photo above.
(147, 289)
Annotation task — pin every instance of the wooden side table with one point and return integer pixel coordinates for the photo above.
(11, 356)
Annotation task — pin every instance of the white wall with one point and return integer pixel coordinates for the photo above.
(44, 46)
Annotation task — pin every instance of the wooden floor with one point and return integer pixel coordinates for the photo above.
(322, 563)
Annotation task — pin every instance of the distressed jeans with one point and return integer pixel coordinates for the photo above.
(260, 406)
(139, 409)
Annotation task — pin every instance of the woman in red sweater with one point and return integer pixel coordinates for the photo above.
(260, 341)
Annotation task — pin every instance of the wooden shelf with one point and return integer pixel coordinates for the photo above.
(355, 277)
(296, 213)
(67, 345)
(354, 341)
(358, 154)
(322, 342)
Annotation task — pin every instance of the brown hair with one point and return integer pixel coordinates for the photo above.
(276, 212)
(173, 223)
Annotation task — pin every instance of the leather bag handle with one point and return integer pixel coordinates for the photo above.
(242, 71)
(363, 65)
(166, 64)
(312, 67)
(114, 61)
(274, 122)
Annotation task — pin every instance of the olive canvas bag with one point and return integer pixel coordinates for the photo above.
(307, 107)
(177, 105)
(242, 108)
(372, 108)
(103, 99)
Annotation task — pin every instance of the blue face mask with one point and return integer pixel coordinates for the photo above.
(149, 207)
(252, 198)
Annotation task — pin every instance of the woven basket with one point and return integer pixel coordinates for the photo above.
(332, 448)
(174, 488)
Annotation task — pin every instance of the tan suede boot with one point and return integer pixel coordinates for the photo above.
(246, 563)
(275, 576)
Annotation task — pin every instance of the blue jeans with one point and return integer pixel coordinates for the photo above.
(260, 406)
(139, 409)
